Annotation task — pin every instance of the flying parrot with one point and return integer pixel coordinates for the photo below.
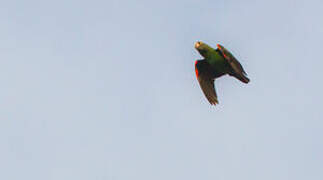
(216, 63)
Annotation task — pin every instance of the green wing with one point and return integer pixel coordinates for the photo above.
(237, 68)
(206, 76)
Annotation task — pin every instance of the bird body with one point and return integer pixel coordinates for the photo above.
(216, 63)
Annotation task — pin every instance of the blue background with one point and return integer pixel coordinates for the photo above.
(106, 90)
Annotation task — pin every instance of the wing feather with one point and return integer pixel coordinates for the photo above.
(237, 68)
(205, 77)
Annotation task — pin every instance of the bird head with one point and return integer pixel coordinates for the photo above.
(202, 48)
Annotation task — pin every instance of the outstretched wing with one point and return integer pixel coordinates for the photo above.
(205, 76)
(235, 65)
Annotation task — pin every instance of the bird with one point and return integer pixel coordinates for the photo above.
(216, 63)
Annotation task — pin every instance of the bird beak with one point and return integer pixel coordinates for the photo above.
(197, 44)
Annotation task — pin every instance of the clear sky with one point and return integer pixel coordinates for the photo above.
(106, 90)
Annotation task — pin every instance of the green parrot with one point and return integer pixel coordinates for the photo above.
(216, 63)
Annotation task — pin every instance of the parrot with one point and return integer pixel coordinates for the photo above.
(216, 63)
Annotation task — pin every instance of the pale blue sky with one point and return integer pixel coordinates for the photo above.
(106, 90)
